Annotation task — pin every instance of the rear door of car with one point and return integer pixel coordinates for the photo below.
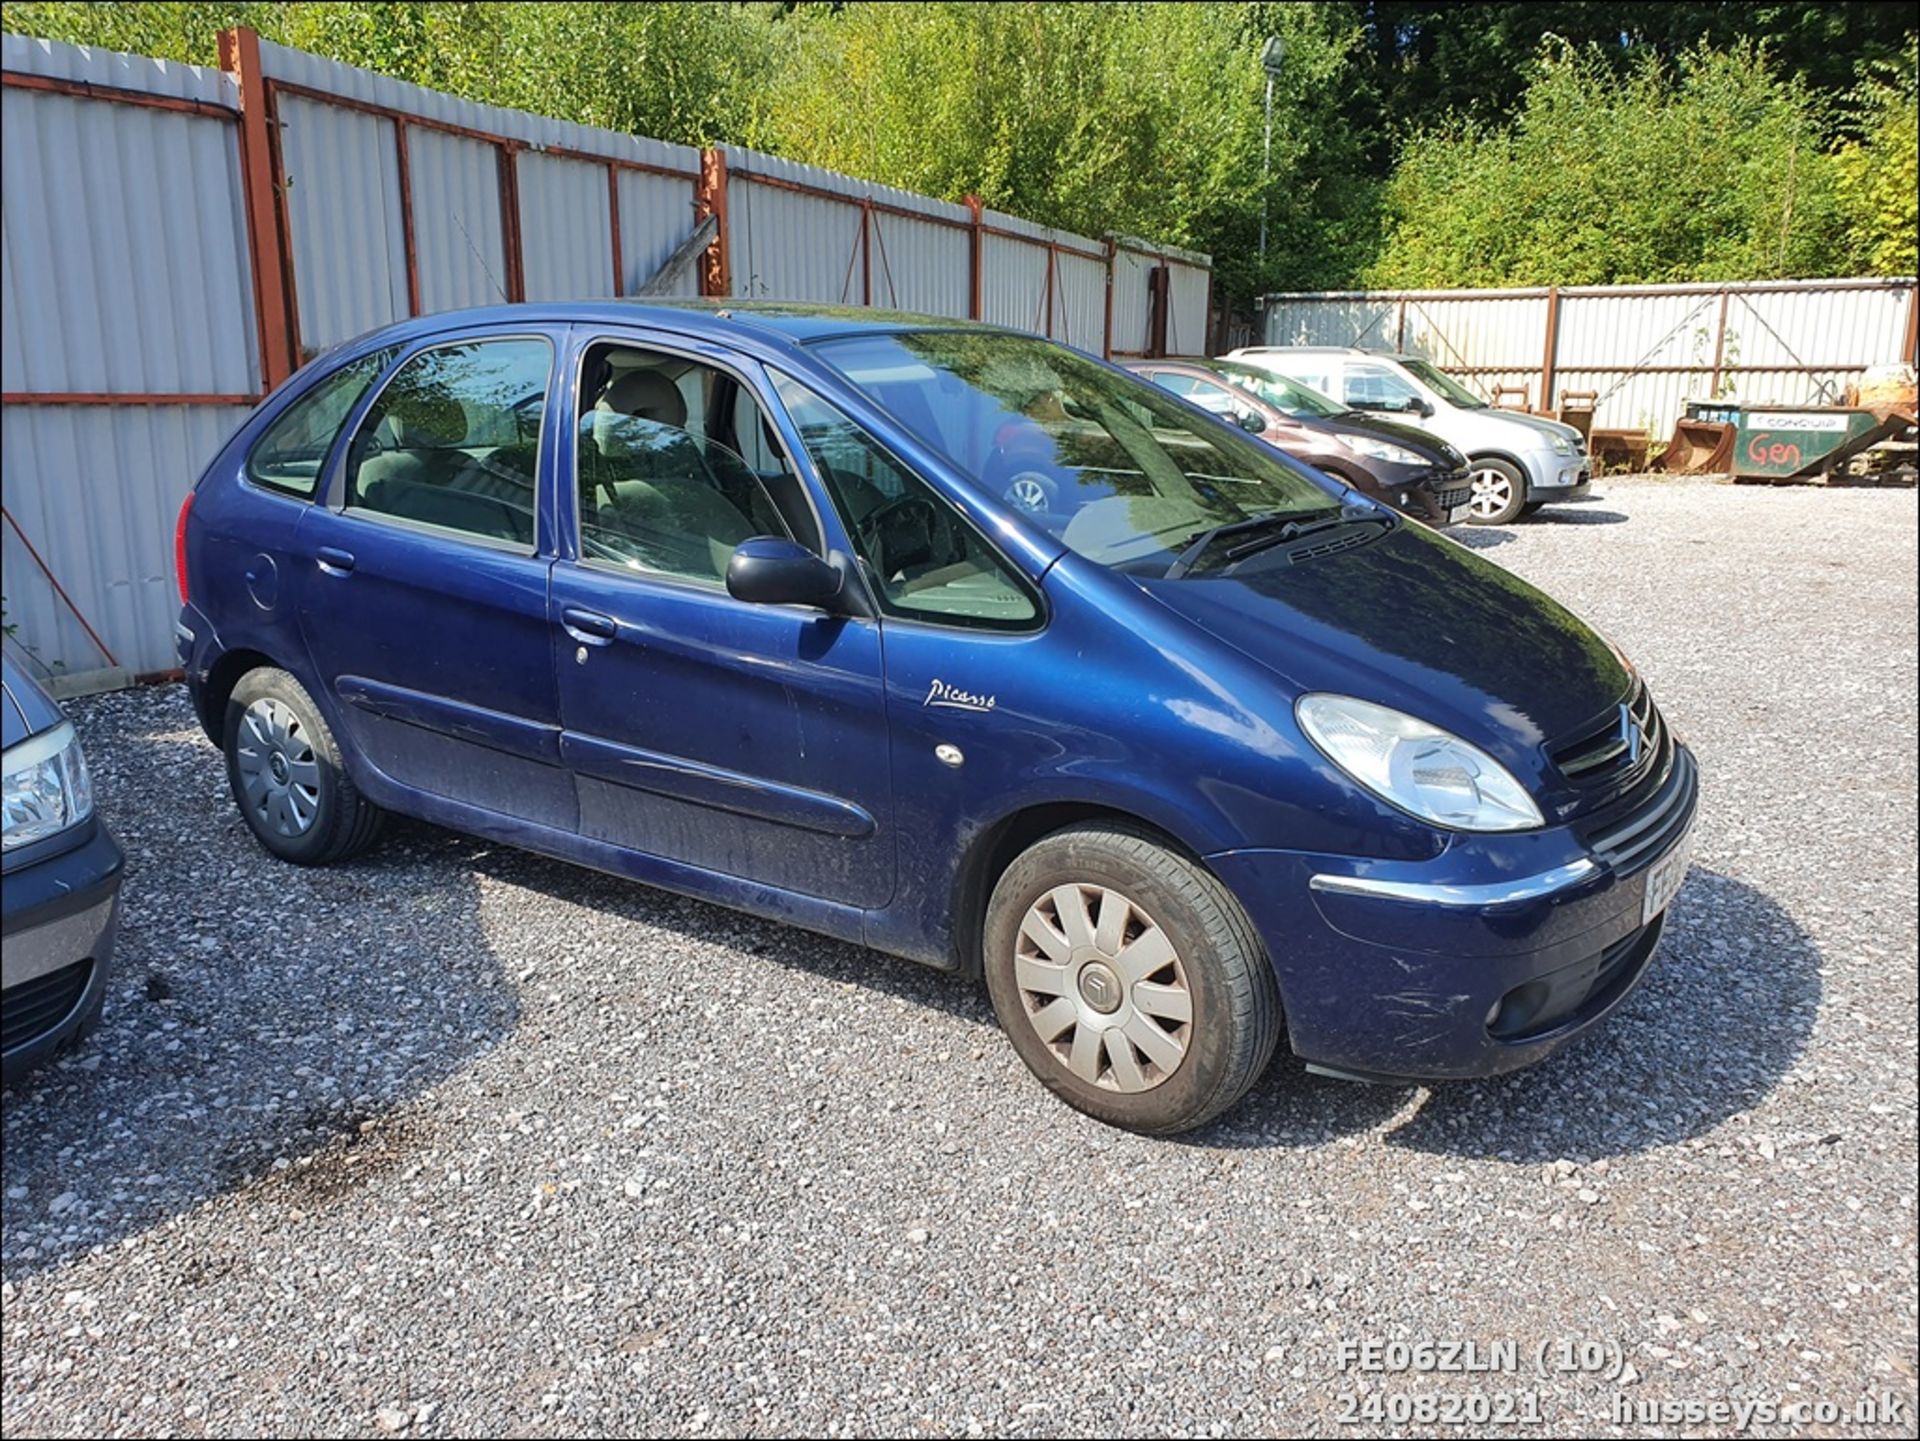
(424, 578)
(747, 742)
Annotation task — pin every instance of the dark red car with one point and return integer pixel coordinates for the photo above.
(1412, 470)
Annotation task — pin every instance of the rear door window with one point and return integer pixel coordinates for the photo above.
(291, 454)
(453, 442)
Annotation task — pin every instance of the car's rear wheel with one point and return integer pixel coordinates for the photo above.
(287, 774)
(1499, 491)
(1129, 979)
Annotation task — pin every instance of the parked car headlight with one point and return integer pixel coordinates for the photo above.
(1382, 450)
(1416, 766)
(46, 786)
(1561, 445)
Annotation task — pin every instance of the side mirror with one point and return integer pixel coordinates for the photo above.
(778, 572)
(1252, 422)
(1421, 407)
(770, 570)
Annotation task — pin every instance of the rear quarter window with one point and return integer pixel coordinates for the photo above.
(291, 453)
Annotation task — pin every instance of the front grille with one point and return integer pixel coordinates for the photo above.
(1650, 825)
(1604, 754)
(1448, 499)
(31, 1009)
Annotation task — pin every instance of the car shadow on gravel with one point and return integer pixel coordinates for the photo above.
(1575, 515)
(703, 922)
(262, 1018)
(1719, 1021)
(1480, 537)
(1296, 1110)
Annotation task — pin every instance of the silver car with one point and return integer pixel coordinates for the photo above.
(62, 882)
(1517, 462)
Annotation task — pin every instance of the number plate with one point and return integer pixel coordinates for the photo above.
(1666, 877)
(1459, 513)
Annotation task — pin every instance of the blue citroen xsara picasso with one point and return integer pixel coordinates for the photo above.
(952, 642)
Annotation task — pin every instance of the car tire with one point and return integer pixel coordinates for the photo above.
(1499, 491)
(288, 776)
(1198, 994)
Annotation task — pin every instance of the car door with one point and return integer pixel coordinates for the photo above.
(423, 600)
(745, 740)
(956, 618)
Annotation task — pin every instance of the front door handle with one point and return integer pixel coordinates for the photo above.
(333, 560)
(588, 625)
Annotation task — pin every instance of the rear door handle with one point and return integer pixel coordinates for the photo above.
(333, 560)
(588, 625)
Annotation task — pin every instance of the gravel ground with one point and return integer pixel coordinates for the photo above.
(460, 1141)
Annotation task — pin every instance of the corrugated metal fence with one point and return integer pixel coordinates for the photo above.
(179, 240)
(1643, 350)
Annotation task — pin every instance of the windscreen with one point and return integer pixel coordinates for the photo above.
(1439, 380)
(1117, 469)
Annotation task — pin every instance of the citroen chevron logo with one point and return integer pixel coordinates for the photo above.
(1631, 736)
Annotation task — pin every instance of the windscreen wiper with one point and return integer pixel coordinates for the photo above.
(1273, 527)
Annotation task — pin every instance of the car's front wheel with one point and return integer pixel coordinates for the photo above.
(288, 776)
(1129, 979)
(1499, 492)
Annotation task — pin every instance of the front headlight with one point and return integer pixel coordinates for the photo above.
(1382, 450)
(1561, 445)
(46, 786)
(1416, 766)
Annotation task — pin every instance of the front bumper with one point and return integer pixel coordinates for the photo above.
(1483, 960)
(1552, 476)
(61, 917)
(1441, 498)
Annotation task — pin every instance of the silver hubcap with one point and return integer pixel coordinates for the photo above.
(279, 778)
(1103, 987)
(1028, 493)
(1492, 492)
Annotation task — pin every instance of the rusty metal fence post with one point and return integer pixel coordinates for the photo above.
(716, 272)
(266, 239)
(975, 275)
(1550, 351)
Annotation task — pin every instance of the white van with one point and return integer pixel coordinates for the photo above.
(1518, 462)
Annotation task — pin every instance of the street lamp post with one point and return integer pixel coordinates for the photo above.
(1271, 55)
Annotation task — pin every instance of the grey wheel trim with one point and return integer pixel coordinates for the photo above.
(1492, 491)
(1103, 987)
(279, 777)
(1028, 492)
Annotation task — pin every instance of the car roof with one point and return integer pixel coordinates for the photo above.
(796, 322)
(1160, 362)
(1316, 350)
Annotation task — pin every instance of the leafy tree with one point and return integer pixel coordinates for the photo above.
(673, 70)
(1879, 176)
(1420, 63)
(1139, 118)
(1708, 169)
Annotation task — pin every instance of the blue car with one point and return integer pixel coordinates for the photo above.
(951, 642)
(62, 881)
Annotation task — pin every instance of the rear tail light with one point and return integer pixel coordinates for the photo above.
(180, 547)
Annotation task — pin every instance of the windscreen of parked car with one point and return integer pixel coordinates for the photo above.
(1112, 466)
(1437, 379)
(1289, 397)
